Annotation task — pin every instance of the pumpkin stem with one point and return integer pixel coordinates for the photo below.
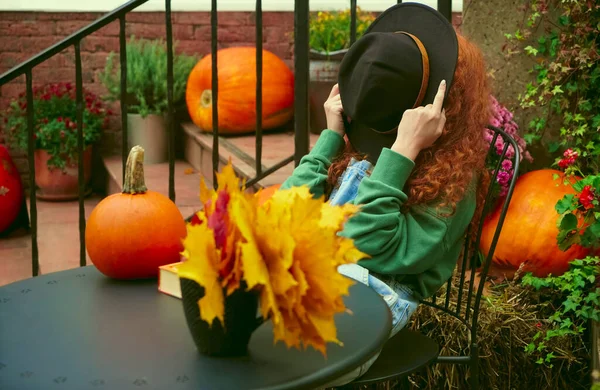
(206, 98)
(134, 172)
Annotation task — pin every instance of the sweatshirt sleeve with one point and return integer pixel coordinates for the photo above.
(313, 168)
(398, 242)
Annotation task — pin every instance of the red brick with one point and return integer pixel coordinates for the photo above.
(93, 61)
(146, 17)
(278, 19)
(11, 90)
(48, 75)
(457, 19)
(193, 47)
(110, 30)
(235, 18)
(9, 60)
(277, 34)
(68, 27)
(154, 31)
(145, 30)
(202, 33)
(26, 28)
(18, 15)
(98, 89)
(282, 50)
(90, 16)
(100, 44)
(237, 34)
(195, 18)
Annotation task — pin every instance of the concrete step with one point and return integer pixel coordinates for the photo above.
(187, 182)
(276, 147)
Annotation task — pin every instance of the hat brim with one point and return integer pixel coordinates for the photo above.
(439, 38)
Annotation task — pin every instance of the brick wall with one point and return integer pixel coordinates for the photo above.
(24, 34)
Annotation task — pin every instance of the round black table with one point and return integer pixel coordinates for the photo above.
(78, 329)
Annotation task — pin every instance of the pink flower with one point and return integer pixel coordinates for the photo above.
(504, 177)
(507, 165)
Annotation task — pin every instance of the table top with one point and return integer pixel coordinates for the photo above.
(78, 329)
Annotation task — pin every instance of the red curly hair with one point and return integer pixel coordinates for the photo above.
(444, 171)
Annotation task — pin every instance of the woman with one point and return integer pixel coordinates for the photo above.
(419, 184)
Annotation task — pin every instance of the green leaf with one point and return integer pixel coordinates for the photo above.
(540, 361)
(570, 306)
(541, 346)
(569, 222)
(563, 20)
(553, 146)
(531, 50)
(595, 229)
(565, 204)
(530, 348)
(557, 89)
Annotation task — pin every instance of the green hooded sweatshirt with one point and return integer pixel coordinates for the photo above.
(418, 247)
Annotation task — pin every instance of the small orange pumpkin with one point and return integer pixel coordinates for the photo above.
(237, 91)
(266, 193)
(129, 235)
(529, 231)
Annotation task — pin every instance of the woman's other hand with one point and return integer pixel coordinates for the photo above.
(421, 126)
(334, 111)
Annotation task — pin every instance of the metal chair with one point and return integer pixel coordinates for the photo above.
(411, 351)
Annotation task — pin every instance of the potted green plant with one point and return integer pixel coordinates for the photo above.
(55, 134)
(147, 92)
(329, 41)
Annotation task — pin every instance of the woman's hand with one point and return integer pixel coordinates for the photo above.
(334, 111)
(421, 127)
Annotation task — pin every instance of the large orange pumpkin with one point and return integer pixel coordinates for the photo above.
(129, 235)
(237, 91)
(11, 190)
(530, 228)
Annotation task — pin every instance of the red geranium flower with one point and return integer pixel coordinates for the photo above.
(586, 197)
(570, 157)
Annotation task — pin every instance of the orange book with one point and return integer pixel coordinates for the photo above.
(168, 280)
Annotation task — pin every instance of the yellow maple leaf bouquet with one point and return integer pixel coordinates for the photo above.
(278, 259)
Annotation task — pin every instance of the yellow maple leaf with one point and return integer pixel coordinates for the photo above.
(334, 217)
(206, 193)
(201, 266)
(298, 237)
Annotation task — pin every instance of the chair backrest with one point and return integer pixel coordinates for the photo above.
(466, 305)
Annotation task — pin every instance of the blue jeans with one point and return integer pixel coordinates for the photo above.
(399, 299)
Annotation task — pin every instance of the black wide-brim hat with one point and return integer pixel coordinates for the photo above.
(398, 64)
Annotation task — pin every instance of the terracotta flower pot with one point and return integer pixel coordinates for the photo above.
(240, 321)
(55, 184)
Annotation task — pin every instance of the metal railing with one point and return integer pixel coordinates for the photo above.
(301, 97)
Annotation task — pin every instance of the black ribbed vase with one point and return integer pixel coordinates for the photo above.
(240, 321)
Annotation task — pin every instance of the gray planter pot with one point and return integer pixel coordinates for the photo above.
(323, 69)
(151, 134)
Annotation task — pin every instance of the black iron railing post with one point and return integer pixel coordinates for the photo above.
(123, 75)
(352, 21)
(215, 89)
(35, 264)
(170, 117)
(445, 8)
(301, 80)
(259, 75)
(80, 147)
